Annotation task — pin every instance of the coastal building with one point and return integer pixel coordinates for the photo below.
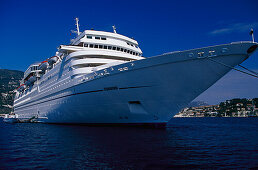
(229, 108)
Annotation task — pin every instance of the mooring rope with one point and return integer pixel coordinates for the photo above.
(248, 69)
(256, 76)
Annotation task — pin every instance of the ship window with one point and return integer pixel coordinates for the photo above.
(211, 53)
(132, 45)
(97, 38)
(224, 50)
(118, 49)
(109, 47)
(128, 43)
(133, 53)
(80, 44)
(101, 46)
(128, 51)
(125, 50)
(201, 54)
(103, 38)
(105, 47)
(85, 45)
(91, 45)
(121, 49)
(89, 37)
(191, 55)
(114, 48)
(96, 46)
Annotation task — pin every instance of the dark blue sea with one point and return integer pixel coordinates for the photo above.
(187, 143)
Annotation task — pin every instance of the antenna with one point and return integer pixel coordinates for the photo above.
(252, 34)
(114, 29)
(77, 25)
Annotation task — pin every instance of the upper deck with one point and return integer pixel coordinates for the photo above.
(90, 51)
(114, 36)
(107, 40)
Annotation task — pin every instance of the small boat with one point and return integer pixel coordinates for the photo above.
(11, 118)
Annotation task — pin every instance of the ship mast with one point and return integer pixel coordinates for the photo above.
(77, 26)
(114, 29)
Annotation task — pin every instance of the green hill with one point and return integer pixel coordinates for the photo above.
(9, 80)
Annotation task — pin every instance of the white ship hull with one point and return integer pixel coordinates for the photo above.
(148, 91)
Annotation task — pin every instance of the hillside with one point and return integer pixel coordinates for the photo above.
(9, 80)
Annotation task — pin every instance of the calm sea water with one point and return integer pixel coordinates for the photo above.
(186, 143)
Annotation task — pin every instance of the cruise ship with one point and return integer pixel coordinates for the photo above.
(101, 78)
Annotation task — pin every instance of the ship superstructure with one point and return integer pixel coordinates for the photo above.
(102, 78)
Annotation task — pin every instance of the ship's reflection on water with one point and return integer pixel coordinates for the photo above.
(186, 143)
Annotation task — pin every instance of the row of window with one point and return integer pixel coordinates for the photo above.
(132, 45)
(111, 48)
(104, 38)
(34, 68)
(97, 38)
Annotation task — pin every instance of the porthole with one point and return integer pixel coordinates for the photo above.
(211, 53)
(200, 54)
(224, 50)
(191, 55)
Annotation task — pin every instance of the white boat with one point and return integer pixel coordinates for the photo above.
(102, 78)
(10, 118)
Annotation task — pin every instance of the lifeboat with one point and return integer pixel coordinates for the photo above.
(43, 66)
(52, 60)
(27, 83)
(32, 79)
(21, 87)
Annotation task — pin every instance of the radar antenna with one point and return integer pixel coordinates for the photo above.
(114, 29)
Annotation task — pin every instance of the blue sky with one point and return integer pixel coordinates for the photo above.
(32, 30)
